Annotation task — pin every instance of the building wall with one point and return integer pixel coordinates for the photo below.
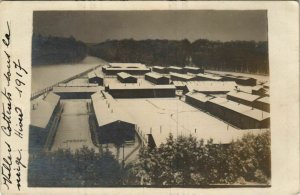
(97, 80)
(38, 136)
(162, 71)
(202, 78)
(249, 82)
(133, 71)
(176, 70)
(186, 70)
(75, 95)
(238, 100)
(151, 141)
(159, 81)
(175, 78)
(115, 132)
(141, 93)
(236, 119)
(127, 80)
(262, 106)
(196, 103)
(37, 139)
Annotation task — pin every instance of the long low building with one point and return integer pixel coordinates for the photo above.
(137, 91)
(210, 87)
(198, 100)
(113, 124)
(78, 85)
(124, 77)
(127, 65)
(242, 97)
(208, 77)
(239, 115)
(130, 68)
(41, 115)
(76, 92)
(245, 81)
(160, 69)
(181, 77)
(241, 80)
(95, 77)
(176, 69)
(193, 70)
(157, 79)
(262, 104)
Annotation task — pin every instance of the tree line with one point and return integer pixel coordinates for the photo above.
(238, 56)
(183, 161)
(56, 50)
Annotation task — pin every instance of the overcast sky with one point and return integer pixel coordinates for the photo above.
(98, 26)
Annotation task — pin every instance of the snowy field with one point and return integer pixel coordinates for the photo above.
(44, 76)
(73, 130)
(160, 117)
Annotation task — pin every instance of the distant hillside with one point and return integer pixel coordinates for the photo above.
(239, 56)
(56, 50)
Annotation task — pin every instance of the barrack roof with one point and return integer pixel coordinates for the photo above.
(126, 68)
(52, 98)
(211, 86)
(209, 76)
(243, 96)
(185, 76)
(242, 109)
(128, 65)
(154, 75)
(265, 100)
(94, 74)
(77, 85)
(107, 111)
(199, 96)
(77, 89)
(124, 75)
(137, 86)
(191, 68)
(175, 67)
(43, 110)
(159, 67)
(245, 78)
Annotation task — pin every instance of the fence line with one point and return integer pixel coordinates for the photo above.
(47, 89)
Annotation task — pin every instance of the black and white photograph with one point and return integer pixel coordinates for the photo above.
(158, 98)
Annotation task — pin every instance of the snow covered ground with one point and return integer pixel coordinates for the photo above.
(73, 130)
(44, 76)
(162, 116)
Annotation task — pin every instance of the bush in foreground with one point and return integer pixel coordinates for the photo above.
(186, 161)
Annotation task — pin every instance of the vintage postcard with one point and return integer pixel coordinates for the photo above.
(149, 97)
